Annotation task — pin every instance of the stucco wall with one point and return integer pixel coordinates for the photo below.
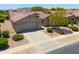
(45, 22)
(27, 23)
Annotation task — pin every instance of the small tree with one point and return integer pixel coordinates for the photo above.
(59, 19)
(1, 20)
(5, 34)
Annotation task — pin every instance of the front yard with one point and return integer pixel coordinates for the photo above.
(76, 26)
(12, 43)
(53, 32)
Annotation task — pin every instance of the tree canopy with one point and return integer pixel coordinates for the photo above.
(58, 9)
(38, 8)
(59, 19)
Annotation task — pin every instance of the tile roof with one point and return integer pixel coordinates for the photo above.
(71, 13)
(15, 16)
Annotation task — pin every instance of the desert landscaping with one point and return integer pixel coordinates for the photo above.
(18, 28)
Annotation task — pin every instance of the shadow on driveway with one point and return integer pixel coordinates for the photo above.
(29, 31)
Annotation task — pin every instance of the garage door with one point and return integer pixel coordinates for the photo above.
(29, 26)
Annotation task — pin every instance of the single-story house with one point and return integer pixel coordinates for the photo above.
(73, 15)
(24, 21)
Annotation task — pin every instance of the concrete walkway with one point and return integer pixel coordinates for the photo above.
(44, 45)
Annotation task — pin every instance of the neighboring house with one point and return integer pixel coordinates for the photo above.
(24, 21)
(74, 16)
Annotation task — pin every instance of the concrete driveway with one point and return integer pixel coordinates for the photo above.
(39, 42)
(36, 36)
(42, 43)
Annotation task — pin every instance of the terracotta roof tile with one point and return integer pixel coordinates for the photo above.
(15, 16)
(71, 13)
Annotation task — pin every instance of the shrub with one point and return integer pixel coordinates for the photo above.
(61, 32)
(3, 42)
(53, 27)
(49, 29)
(73, 28)
(5, 34)
(18, 37)
(0, 32)
(1, 20)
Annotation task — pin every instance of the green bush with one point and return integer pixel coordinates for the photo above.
(53, 27)
(1, 20)
(5, 34)
(61, 32)
(0, 32)
(49, 29)
(73, 28)
(3, 42)
(18, 37)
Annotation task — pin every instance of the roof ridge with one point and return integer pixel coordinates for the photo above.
(15, 16)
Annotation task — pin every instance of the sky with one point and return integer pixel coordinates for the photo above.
(15, 6)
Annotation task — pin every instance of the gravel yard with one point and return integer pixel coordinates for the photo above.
(54, 34)
(7, 26)
(13, 43)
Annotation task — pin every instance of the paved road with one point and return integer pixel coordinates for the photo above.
(70, 49)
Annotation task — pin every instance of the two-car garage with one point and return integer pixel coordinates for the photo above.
(29, 26)
(28, 21)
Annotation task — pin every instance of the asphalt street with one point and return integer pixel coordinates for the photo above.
(70, 49)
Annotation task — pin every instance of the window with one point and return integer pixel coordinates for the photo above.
(72, 18)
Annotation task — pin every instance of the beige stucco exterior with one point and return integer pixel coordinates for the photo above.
(29, 23)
